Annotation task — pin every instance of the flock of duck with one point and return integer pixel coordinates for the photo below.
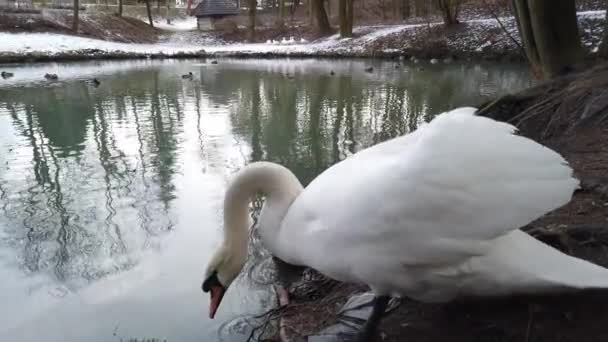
(51, 77)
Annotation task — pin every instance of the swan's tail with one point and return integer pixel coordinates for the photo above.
(527, 265)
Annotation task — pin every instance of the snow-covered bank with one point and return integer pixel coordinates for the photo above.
(49, 46)
(476, 39)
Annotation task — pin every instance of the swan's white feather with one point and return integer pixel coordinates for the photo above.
(435, 214)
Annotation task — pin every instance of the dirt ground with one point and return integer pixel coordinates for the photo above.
(92, 25)
(571, 116)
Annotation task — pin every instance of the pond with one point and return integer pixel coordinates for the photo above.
(111, 194)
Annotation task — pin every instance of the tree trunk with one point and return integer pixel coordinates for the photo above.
(604, 47)
(149, 10)
(421, 8)
(75, 18)
(405, 9)
(449, 10)
(281, 13)
(168, 9)
(549, 31)
(120, 8)
(321, 16)
(253, 4)
(345, 12)
(311, 12)
(383, 8)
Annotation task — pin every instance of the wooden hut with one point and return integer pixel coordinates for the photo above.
(208, 11)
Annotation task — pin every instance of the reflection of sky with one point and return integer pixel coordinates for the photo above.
(160, 296)
(135, 198)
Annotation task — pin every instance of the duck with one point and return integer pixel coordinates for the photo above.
(188, 76)
(331, 73)
(95, 82)
(6, 74)
(426, 216)
(434, 61)
(213, 62)
(369, 69)
(303, 41)
(51, 76)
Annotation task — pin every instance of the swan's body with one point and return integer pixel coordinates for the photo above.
(431, 215)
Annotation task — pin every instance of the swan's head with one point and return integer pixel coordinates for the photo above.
(224, 267)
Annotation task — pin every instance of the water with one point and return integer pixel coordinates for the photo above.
(110, 196)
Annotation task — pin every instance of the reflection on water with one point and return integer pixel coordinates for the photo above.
(110, 196)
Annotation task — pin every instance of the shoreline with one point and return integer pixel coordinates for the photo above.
(473, 40)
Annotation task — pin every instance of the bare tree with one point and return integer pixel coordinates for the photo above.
(604, 47)
(120, 8)
(449, 10)
(281, 13)
(311, 14)
(253, 4)
(421, 8)
(318, 7)
(345, 12)
(405, 9)
(149, 10)
(549, 32)
(75, 18)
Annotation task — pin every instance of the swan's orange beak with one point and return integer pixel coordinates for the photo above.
(216, 291)
(216, 294)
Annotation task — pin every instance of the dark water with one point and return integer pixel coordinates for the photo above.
(110, 196)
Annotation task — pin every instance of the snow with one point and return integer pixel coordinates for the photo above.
(592, 14)
(190, 42)
(180, 24)
(52, 44)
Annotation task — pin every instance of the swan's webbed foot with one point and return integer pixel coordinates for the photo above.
(368, 332)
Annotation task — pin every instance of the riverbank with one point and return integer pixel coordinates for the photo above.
(569, 115)
(475, 39)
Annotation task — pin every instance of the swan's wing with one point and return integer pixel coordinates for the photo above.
(439, 193)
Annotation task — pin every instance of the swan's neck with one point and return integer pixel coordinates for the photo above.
(280, 187)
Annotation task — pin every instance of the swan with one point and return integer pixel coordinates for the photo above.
(433, 215)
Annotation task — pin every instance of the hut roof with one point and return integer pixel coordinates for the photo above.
(210, 8)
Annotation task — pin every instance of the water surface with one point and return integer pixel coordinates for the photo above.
(110, 196)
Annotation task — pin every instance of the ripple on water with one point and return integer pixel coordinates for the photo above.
(241, 327)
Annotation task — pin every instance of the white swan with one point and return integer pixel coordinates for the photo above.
(432, 215)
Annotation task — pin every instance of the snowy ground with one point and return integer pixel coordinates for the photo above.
(478, 37)
(177, 25)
